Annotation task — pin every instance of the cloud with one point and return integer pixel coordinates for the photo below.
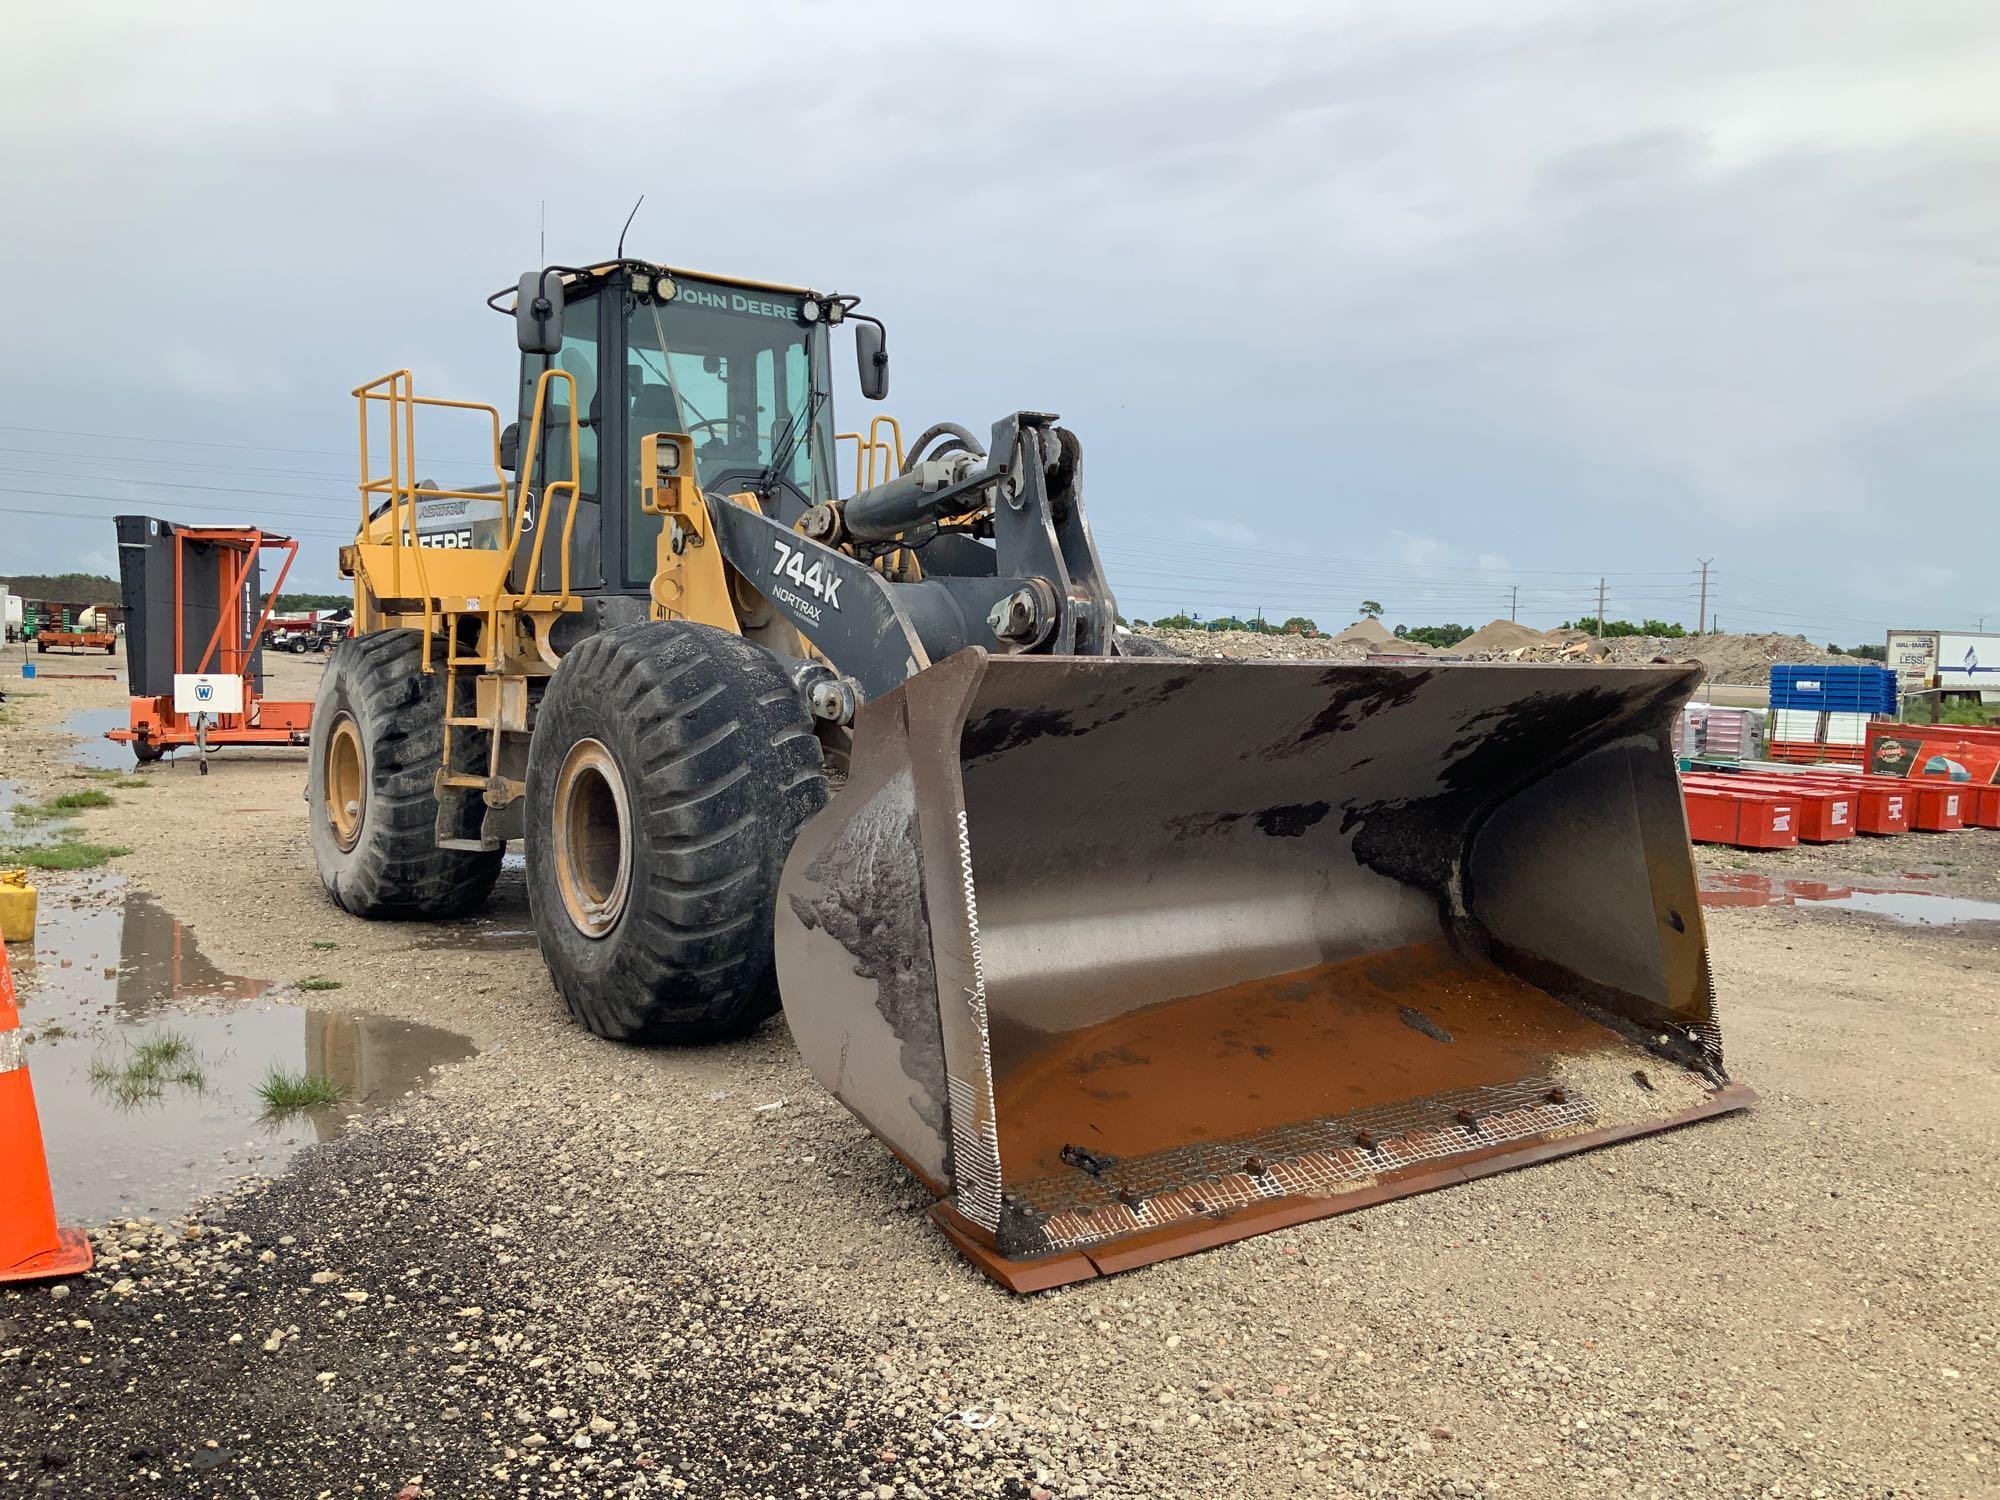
(1548, 286)
(1235, 533)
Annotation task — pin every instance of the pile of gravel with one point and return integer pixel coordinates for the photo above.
(1744, 659)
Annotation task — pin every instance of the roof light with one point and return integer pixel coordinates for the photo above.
(810, 309)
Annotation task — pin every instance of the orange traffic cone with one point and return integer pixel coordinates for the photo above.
(32, 1245)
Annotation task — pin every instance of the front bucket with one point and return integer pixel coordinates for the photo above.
(1127, 958)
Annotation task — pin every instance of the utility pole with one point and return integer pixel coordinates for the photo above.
(1702, 613)
(1600, 609)
(1514, 604)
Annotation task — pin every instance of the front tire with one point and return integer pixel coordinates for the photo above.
(377, 743)
(671, 768)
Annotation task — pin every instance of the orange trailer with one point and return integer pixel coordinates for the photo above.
(176, 580)
(76, 640)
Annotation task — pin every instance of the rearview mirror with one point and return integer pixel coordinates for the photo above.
(538, 312)
(872, 358)
(510, 446)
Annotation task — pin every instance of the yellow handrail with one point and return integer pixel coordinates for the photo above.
(574, 484)
(868, 449)
(399, 487)
(892, 459)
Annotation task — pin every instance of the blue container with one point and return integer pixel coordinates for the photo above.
(1836, 687)
(27, 669)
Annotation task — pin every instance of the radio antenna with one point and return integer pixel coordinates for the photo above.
(628, 224)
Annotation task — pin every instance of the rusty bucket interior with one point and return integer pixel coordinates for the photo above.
(1130, 957)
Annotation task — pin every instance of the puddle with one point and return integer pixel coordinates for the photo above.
(503, 922)
(14, 834)
(113, 981)
(1911, 908)
(92, 748)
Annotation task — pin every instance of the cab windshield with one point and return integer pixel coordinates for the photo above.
(734, 369)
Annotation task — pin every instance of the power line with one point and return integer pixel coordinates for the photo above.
(217, 466)
(350, 502)
(136, 437)
(127, 502)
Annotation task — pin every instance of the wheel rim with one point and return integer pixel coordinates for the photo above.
(345, 788)
(593, 838)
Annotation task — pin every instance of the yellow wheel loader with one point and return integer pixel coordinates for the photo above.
(1123, 954)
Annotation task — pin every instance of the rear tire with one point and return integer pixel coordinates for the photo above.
(377, 739)
(671, 768)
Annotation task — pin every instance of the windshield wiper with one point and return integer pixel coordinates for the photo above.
(787, 444)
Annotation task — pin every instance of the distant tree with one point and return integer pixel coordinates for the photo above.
(1588, 624)
(64, 588)
(1300, 625)
(1441, 636)
(1176, 622)
(1228, 622)
(292, 604)
(1136, 624)
(1372, 609)
(1871, 653)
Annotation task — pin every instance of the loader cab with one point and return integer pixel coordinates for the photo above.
(742, 368)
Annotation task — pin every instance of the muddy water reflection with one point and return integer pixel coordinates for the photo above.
(114, 980)
(15, 833)
(1912, 908)
(91, 747)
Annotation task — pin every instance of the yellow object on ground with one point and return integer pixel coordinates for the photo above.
(17, 907)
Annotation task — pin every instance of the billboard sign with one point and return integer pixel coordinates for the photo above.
(1969, 662)
(1913, 657)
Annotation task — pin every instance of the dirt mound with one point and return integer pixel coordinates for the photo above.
(1250, 645)
(1742, 659)
(1367, 631)
(1501, 635)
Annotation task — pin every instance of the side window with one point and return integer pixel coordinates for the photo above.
(767, 401)
(579, 359)
(798, 385)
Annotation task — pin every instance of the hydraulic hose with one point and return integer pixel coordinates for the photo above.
(963, 441)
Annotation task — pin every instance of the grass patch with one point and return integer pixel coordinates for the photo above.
(70, 854)
(68, 802)
(147, 1068)
(286, 1093)
(321, 945)
(158, 1055)
(61, 805)
(315, 982)
(1963, 711)
(120, 780)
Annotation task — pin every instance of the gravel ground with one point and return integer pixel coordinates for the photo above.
(576, 1268)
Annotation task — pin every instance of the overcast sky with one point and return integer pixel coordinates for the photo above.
(1416, 303)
